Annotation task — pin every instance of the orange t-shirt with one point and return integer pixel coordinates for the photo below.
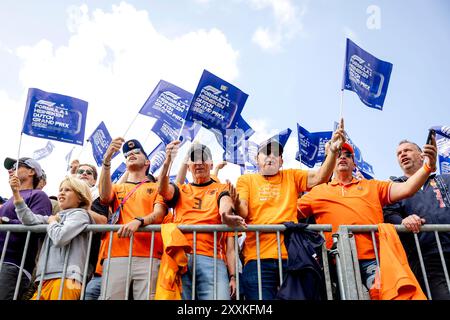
(360, 202)
(199, 204)
(139, 204)
(271, 200)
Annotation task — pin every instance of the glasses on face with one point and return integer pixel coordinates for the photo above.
(345, 154)
(87, 171)
(134, 151)
(199, 156)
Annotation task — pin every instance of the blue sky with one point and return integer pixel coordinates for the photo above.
(287, 55)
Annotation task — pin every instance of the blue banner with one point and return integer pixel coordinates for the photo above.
(443, 145)
(444, 131)
(118, 172)
(216, 103)
(366, 75)
(157, 157)
(43, 152)
(54, 116)
(311, 146)
(100, 140)
(232, 140)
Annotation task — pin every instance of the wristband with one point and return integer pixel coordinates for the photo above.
(427, 168)
(231, 276)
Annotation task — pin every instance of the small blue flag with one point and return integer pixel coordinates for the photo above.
(216, 103)
(366, 75)
(100, 140)
(115, 176)
(157, 157)
(232, 140)
(43, 152)
(55, 116)
(444, 164)
(311, 146)
(168, 131)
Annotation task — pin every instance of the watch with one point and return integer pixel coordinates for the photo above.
(140, 219)
(5, 220)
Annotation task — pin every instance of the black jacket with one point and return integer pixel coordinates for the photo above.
(304, 278)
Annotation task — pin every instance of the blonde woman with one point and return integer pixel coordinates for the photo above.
(64, 234)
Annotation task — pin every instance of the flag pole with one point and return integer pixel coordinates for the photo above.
(129, 127)
(178, 138)
(341, 109)
(18, 154)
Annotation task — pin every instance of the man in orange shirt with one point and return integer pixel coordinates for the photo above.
(135, 204)
(269, 197)
(203, 201)
(349, 201)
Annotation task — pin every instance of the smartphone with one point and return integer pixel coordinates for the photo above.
(431, 133)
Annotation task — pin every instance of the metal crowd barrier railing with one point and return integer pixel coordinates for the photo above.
(157, 228)
(346, 256)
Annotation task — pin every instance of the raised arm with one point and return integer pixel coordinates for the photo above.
(408, 188)
(325, 171)
(105, 183)
(166, 190)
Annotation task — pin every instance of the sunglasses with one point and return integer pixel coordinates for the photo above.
(88, 172)
(345, 154)
(200, 156)
(134, 151)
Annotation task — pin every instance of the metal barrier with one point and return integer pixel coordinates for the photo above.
(347, 264)
(157, 228)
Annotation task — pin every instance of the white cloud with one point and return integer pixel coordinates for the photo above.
(113, 59)
(288, 24)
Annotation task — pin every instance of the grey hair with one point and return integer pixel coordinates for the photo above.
(413, 143)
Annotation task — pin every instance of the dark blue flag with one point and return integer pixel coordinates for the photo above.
(118, 172)
(443, 145)
(366, 75)
(282, 137)
(311, 146)
(168, 102)
(216, 103)
(232, 140)
(68, 157)
(55, 116)
(100, 140)
(157, 157)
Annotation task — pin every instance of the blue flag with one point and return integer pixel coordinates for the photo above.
(168, 131)
(248, 168)
(311, 146)
(216, 103)
(43, 152)
(100, 140)
(118, 172)
(251, 152)
(55, 116)
(443, 145)
(444, 164)
(167, 102)
(232, 140)
(366, 75)
(282, 137)
(157, 157)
